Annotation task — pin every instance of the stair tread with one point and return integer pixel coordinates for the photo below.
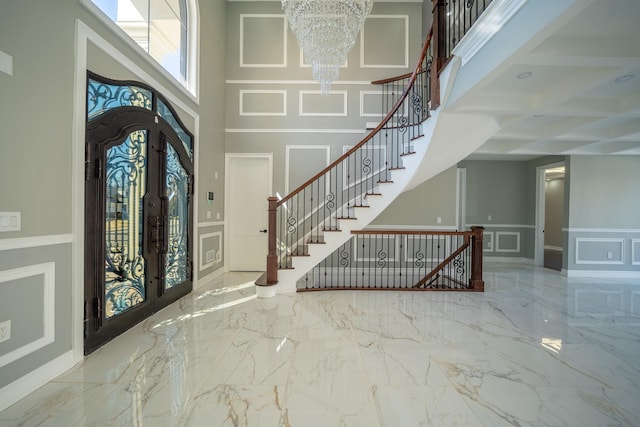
(347, 217)
(397, 168)
(385, 182)
(407, 153)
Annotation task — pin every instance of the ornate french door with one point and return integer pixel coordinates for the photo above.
(138, 207)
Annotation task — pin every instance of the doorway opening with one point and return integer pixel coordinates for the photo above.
(550, 216)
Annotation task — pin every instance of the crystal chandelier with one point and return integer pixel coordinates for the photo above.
(326, 30)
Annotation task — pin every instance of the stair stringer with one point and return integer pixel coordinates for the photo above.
(287, 278)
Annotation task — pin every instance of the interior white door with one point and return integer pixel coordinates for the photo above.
(248, 183)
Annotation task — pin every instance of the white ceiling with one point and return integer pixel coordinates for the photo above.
(582, 95)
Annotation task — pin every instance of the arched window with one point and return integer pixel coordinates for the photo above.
(159, 27)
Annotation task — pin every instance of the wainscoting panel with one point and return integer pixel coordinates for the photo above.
(599, 250)
(210, 250)
(487, 241)
(30, 287)
(635, 251)
(508, 241)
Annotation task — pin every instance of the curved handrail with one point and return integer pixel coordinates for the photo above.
(377, 129)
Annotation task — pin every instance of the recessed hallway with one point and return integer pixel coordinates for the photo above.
(535, 349)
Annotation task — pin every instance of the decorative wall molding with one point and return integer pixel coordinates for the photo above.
(488, 238)
(202, 253)
(602, 230)
(48, 271)
(582, 240)
(282, 64)
(499, 246)
(287, 161)
(365, 93)
(35, 242)
(210, 224)
(635, 252)
(318, 93)
(249, 92)
(370, 18)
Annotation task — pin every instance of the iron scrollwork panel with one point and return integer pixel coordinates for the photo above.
(126, 184)
(177, 193)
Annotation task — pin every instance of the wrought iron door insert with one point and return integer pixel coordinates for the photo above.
(138, 212)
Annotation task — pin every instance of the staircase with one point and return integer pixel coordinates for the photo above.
(410, 145)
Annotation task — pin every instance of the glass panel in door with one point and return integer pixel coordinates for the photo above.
(124, 275)
(177, 193)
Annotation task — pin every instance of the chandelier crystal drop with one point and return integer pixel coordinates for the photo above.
(326, 31)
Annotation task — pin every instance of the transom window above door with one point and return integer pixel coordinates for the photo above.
(159, 27)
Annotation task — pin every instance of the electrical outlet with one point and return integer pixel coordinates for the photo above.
(208, 214)
(439, 220)
(5, 330)
(609, 255)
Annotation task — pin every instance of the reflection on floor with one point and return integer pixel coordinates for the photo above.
(535, 349)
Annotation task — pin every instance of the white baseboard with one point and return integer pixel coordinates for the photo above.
(209, 277)
(614, 274)
(508, 259)
(35, 379)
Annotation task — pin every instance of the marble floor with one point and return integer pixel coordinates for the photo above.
(536, 349)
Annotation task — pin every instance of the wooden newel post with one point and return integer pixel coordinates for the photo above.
(476, 259)
(439, 45)
(272, 257)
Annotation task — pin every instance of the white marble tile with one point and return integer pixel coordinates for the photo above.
(423, 406)
(536, 349)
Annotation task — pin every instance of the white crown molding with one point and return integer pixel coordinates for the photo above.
(357, 131)
(602, 230)
(296, 82)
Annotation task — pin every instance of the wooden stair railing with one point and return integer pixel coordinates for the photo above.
(334, 194)
(409, 260)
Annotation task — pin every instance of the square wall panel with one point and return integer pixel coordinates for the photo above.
(263, 41)
(384, 42)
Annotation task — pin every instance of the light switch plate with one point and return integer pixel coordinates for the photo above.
(6, 63)
(9, 221)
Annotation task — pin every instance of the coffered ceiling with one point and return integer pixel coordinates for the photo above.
(573, 89)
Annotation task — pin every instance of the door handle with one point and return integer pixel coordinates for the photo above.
(263, 231)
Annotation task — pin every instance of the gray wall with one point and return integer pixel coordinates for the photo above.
(422, 206)
(37, 113)
(604, 213)
(259, 58)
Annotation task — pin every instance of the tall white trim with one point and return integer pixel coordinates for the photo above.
(48, 271)
(461, 198)
(35, 241)
(635, 242)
